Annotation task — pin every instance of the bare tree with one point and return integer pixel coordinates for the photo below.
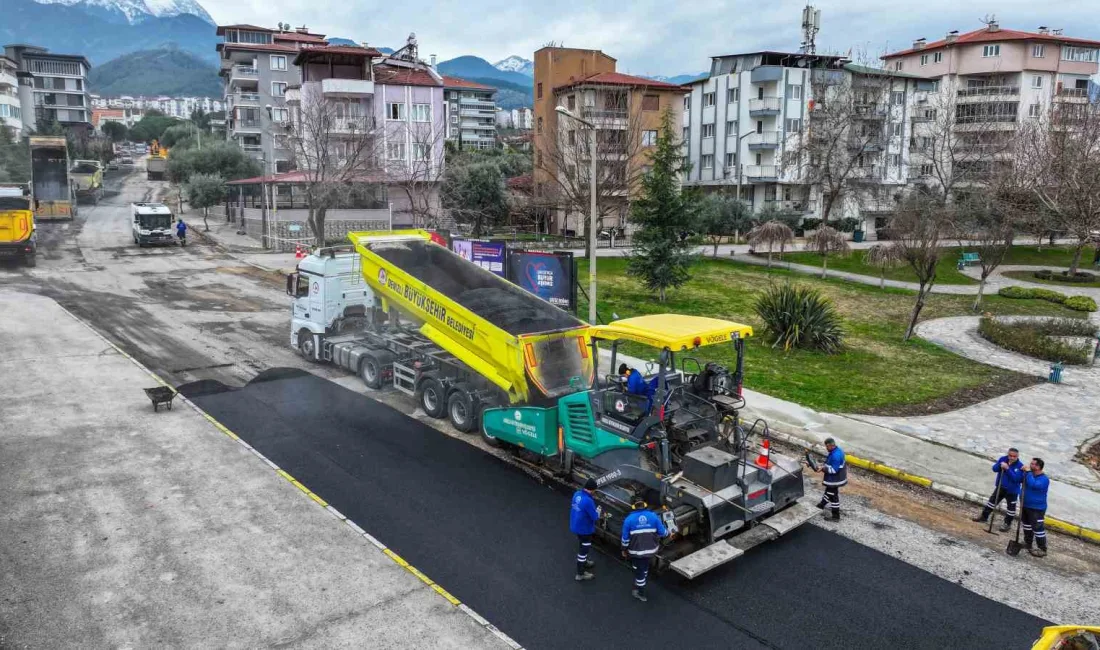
(984, 226)
(565, 157)
(824, 241)
(920, 227)
(883, 256)
(334, 147)
(415, 166)
(771, 234)
(1063, 150)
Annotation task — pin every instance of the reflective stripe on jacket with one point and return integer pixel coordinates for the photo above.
(836, 470)
(642, 533)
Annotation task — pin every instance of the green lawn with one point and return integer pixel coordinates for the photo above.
(875, 371)
(1031, 255)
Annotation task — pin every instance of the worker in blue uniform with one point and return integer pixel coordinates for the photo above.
(835, 470)
(1010, 474)
(583, 515)
(636, 384)
(643, 531)
(1036, 486)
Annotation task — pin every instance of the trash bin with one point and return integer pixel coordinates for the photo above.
(1056, 373)
(857, 236)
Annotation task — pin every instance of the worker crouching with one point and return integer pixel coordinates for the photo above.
(642, 534)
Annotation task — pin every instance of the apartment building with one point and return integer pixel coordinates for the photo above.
(11, 112)
(178, 107)
(991, 80)
(626, 113)
(749, 124)
(257, 68)
(52, 87)
(471, 113)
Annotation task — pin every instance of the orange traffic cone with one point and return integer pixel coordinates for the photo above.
(763, 459)
(298, 252)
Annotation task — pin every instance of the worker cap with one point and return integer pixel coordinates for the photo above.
(639, 504)
(590, 484)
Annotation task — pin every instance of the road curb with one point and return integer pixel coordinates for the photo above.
(389, 553)
(1065, 527)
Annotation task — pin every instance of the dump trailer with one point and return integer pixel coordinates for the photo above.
(51, 188)
(156, 165)
(17, 236)
(87, 179)
(398, 308)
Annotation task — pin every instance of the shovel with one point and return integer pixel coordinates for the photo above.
(993, 515)
(1014, 545)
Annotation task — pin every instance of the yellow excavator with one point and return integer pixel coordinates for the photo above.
(156, 167)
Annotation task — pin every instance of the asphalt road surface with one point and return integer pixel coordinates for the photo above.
(499, 541)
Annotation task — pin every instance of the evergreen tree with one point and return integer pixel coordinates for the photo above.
(664, 245)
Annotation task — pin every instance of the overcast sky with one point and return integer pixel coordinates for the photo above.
(650, 36)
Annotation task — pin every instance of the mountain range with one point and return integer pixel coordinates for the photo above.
(164, 71)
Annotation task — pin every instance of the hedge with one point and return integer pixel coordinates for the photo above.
(1064, 276)
(1076, 303)
(1035, 338)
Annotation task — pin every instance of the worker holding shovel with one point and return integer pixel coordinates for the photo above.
(1010, 474)
(1036, 485)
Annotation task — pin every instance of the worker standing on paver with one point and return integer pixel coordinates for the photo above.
(1036, 485)
(583, 515)
(1010, 474)
(642, 534)
(835, 470)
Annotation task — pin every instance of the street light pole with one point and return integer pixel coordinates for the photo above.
(592, 230)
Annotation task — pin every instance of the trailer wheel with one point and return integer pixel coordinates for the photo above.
(307, 344)
(31, 260)
(460, 410)
(431, 395)
(485, 437)
(370, 371)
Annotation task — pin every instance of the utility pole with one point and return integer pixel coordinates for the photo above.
(592, 230)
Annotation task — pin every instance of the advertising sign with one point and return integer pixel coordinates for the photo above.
(488, 255)
(547, 275)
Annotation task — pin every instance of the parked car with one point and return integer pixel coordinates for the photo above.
(126, 160)
(112, 165)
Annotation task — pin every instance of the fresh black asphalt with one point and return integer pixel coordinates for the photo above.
(499, 541)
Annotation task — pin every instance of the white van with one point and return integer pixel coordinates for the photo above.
(153, 223)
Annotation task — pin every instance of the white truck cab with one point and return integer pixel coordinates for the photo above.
(329, 292)
(153, 223)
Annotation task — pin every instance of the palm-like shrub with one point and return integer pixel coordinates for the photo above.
(800, 317)
(772, 234)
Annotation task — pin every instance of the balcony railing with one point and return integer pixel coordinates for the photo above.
(1073, 93)
(801, 207)
(252, 148)
(765, 139)
(982, 91)
(592, 112)
(766, 105)
(253, 125)
(979, 119)
(761, 171)
(866, 142)
(867, 172)
(237, 99)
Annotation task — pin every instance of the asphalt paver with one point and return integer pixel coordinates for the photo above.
(499, 541)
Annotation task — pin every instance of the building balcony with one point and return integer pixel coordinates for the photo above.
(871, 111)
(985, 123)
(766, 140)
(593, 113)
(477, 112)
(766, 74)
(987, 94)
(867, 173)
(252, 148)
(243, 73)
(1072, 95)
(243, 99)
(246, 126)
(761, 173)
(468, 102)
(353, 125)
(764, 107)
(347, 87)
(800, 207)
(866, 142)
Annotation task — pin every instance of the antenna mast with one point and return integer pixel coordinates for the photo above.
(811, 24)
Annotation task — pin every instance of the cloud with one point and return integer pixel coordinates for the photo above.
(650, 36)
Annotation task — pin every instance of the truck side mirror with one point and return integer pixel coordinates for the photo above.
(292, 285)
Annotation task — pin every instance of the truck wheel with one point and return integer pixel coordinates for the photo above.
(460, 410)
(431, 396)
(485, 437)
(31, 260)
(307, 345)
(370, 371)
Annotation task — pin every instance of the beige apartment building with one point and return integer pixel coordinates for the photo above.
(626, 112)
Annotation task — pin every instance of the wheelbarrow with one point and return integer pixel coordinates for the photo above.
(161, 395)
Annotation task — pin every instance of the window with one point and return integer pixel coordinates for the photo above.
(731, 159)
(651, 102)
(759, 159)
(924, 59)
(571, 102)
(395, 151)
(454, 119)
(687, 102)
(895, 160)
(794, 125)
(759, 126)
(937, 57)
(708, 99)
(794, 92)
(1035, 110)
(539, 125)
(897, 97)
(687, 133)
(422, 113)
(731, 127)
(897, 66)
(538, 91)
(280, 115)
(708, 161)
(649, 138)
(991, 50)
(1038, 51)
(733, 95)
(1080, 54)
(395, 111)
(571, 137)
(278, 88)
(926, 170)
(708, 130)
(1036, 81)
(895, 129)
(421, 151)
(278, 62)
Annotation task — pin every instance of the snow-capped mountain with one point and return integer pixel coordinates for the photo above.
(136, 11)
(516, 64)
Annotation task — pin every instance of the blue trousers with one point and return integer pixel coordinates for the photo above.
(584, 546)
(641, 572)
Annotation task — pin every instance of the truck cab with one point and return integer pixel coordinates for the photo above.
(17, 234)
(153, 223)
(329, 292)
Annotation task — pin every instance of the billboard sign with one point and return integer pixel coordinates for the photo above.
(486, 254)
(547, 275)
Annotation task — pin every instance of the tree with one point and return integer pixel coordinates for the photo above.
(176, 133)
(664, 214)
(474, 194)
(15, 159)
(334, 147)
(204, 191)
(771, 234)
(826, 240)
(1063, 151)
(721, 215)
(883, 256)
(201, 119)
(920, 226)
(151, 127)
(223, 159)
(116, 131)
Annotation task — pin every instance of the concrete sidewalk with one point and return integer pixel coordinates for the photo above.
(121, 527)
